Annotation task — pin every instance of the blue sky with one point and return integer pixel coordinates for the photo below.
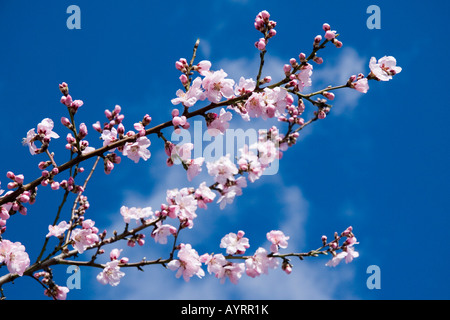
(378, 162)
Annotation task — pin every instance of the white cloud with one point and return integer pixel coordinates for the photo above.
(310, 279)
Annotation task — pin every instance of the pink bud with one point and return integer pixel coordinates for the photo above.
(176, 121)
(179, 65)
(338, 44)
(65, 121)
(272, 33)
(183, 79)
(175, 112)
(10, 175)
(261, 44)
(265, 15)
(322, 114)
(328, 95)
(120, 129)
(330, 35)
(302, 57)
(54, 185)
(97, 127)
(108, 114)
(19, 178)
(326, 27)
(286, 68)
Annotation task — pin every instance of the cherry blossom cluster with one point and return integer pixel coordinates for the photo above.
(77, 234)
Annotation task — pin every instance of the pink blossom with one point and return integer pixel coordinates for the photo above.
(220, 124)
(162, 231)
(231, 190)
(267, 152)
(44, 130)
(57, 230)
(215, 264)
(135, 213)
(259, 263)
(109, 136)
(384, 68)
(244, 86)
(216, 86)
(261, 44)
(57, 292)
(194, 167)
(14, 256)
(84, 237)
(234, 272)
(183, 204)
(181, 152)
(249, 162)
(189, 98)
(204, 195)
(361, 85)
(329, 35)
(278, 239)
(267, 104)
(304, 77)
(255, 105)
(4, 211)
(348, 255)
(111, 274)
(45, 127)
(203, 67)
(137, 149)
(235, 243)
(115, 253)
(188, 263)
(222, 169)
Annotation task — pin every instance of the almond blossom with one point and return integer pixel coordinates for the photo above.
(188, 263)
(249, 162)
(384, 68)
(162, 231)
(135, 213)
(220, 123)
(109, 136)
(216, 86)
(260, 263)
(229, 191)
(222, 169)
(347, 255)
(111, 274)
(304, 77)
(44, 133)
(183, 204)
(58, 229)
(233, 271)
(189, 98)
(14, 256)
(215, 264)
(204, 195)
(235, 243)
(194, 167)
(138, 149)
(244, 86)
(57, 292)
(84, 237)
(360, 85)
(278, 240)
